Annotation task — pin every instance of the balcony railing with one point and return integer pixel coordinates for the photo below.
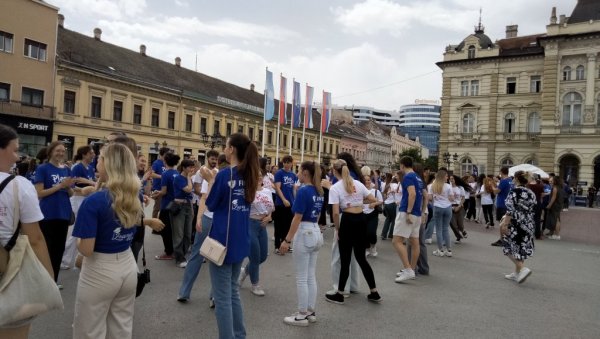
(533, 135)
(19, 108)
(570, 129)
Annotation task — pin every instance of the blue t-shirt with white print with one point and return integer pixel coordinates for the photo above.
(179, 183)
(158, 166)
(81, 171)
(308, 203)
(56, 206)
(167, 179)
(412, 179)
(287, 181)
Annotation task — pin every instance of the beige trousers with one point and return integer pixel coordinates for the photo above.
(105, 296)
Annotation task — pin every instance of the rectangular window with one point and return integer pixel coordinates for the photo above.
(298, 142)
(32, 97)
(171, 120)
(285, 140)
(330, 148)
(251, 133)
(260, 135)
(118, 110)
(35, 50)
(6, 42)
(475, 87)
(155, 117)
(511, 85)
(464, 88)
(535, 84)
(228, 129)
(311, 146)
(137, 114)
(217, 127)
(269, 137)
(4, 92)
(96, 111)
(188, 122)
(203, 125)
(337, 149)
(241, 129)
(69, 102)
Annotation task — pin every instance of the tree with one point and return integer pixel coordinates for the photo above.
(415, 153)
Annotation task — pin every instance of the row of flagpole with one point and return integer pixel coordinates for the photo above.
(269, 111)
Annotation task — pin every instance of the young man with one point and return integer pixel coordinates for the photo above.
(211, 163)
(285, 188)
(501, 194)
(158, 167)
(408, 220)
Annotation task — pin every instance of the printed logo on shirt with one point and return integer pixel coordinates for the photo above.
(56, 179)
(288, 181)
(236, 206)
(117, 236)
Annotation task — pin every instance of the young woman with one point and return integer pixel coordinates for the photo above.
(487, 202)
(442, 196)
(460, 189)
(53, 183)
(389, 205)
(106, 222)
(371, 215)
(181, 223)
(29, 215)
(238, 183)
(260, 216)
(429, 226)
(471, 206)
(554, 208)
(307, 239)
(349, 195)
(517, 226)
(165, 196)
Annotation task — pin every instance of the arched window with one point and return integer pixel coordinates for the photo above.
(567, 73)
(468, 123)
(572, 109)
(579, 73)
(507, 162)
(509, 123)
(471, 52)
(531, 161)
(533, 123)
(466, 166)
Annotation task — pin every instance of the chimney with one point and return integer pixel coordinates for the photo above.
(61, 20)
(563, 19)
(511, 31)
(97, 34)
(252, 87)
(143, 50)
(178, 61)
(553, 16)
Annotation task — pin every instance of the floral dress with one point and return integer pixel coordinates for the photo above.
(520, 205)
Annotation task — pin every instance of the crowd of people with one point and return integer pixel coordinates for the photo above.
(231, 199)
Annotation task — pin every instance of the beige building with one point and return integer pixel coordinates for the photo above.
(401, 143)
(526, 99)
(379, 146)
(27, 63)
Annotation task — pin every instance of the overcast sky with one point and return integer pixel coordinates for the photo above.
(378, 53)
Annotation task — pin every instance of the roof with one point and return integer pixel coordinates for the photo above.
(347, 131)
(484, 40)
(584, 11)
(523, 45)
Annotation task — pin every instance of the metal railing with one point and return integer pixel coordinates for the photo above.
(570, 129)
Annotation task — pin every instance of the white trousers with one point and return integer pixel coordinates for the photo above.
(70, 253)
(105, 297)
(336, 265)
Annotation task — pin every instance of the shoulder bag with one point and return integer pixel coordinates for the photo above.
(144, 276)
(212, 249)
(378, 208)
(26, 288)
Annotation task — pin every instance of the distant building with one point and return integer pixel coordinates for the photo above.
(422, 120)
(380, 116)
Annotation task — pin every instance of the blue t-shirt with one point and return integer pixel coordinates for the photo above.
(96, 219)
(167, 179)
(504, 187)
(81, 171)
(546, 198)
(308, 203)
(238, 210)
(56, 205)
(287, 180)
(158, 166)
(412, 179)
(179, 183)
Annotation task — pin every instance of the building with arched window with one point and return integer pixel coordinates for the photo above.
(526, 99)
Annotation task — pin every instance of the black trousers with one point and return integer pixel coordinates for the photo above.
(471, 208)
(282, 218)
(323, 216)
(372, 222)
(138, 241)
(167, 232)
(55, 233)
(488, 214)
(537, 219)
(353, 237)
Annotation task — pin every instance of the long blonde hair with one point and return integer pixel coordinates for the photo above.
(122, 183)
(341, 168)
(438, 183)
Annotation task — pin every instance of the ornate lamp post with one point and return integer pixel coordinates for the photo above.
(450, 158)
(212, 141)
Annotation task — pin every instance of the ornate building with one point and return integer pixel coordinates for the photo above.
(526, 99)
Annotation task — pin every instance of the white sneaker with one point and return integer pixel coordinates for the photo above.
(182, 264)
(438, 253)
(374, 251)
(512, 276)
(312, 318)
(428, 241)
(367, 252)
(555, 237)
(256, 290)
(296, 319)
(523, 274)
(243, 275)
(405, 274)
(334, 291)
(448, 253)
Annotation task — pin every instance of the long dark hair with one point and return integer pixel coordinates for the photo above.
(247, 154)
(352, 166)
(461, 183)
(81, 151)
(263, 166)
(388, 181)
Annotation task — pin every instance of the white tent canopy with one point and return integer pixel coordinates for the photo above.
(527, 168)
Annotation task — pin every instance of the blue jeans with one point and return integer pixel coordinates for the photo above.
(195, 261)
(259, 249)
(430, 225)
(307, 242)
(228, 306)
(441, 220)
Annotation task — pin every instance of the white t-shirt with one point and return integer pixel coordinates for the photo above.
(196, 179)
(204, 190)
(338, 195)
(398, 195)
(441, 200)
(391, 194)
(486, 198)
(459, 193)
(29, 206)
(263, 203)
(271, 182)
(377, 195)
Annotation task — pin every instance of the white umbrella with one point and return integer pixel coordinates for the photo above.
(527, 168)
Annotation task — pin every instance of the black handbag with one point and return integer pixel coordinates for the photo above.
(174, 208)
(143, 277)
(378, 208)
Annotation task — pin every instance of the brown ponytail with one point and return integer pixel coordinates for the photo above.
(315, 174)
(247, 154)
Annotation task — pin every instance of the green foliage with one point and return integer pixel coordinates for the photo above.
(415, 153)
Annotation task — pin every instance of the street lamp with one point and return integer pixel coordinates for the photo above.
(212, 140)
(156, 144)
(390, 165)
(450, 158)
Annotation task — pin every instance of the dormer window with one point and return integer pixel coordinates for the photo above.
(471, 52)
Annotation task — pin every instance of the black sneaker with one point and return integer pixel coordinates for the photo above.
(182, 300)
(374, 297)
(335, 298)
(497, 243)
(464, 233)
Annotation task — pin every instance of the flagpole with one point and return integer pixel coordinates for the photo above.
(321, 128)
(278, 122)
(292, 118)
(264, 118)
(304, 127)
